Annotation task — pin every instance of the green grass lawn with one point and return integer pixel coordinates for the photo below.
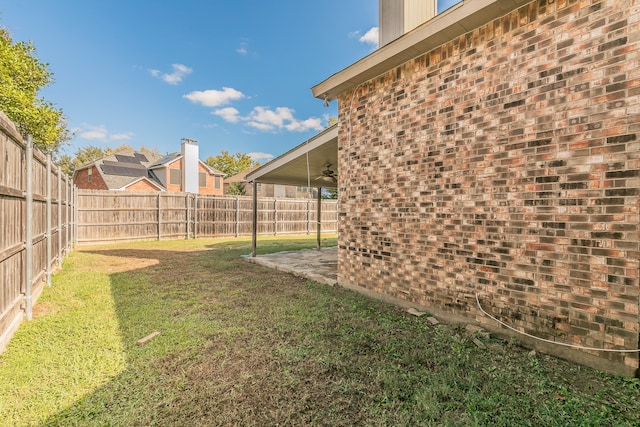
(241, 344)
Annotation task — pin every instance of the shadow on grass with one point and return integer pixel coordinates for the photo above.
(241, 344)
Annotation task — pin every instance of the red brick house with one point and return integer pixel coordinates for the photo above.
(488, 160)
(178, 172)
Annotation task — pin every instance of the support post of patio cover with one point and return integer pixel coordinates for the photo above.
(319, 218)
(254, 230)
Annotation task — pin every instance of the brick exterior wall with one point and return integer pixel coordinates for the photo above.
(81, 179)
(210, 188)
(505, 163)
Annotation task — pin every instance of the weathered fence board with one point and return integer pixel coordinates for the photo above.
(26, 263)
(109, 216)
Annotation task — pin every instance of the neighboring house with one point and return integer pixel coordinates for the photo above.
(269, 190)
(491, 152)
(178, 172)
(122, 171)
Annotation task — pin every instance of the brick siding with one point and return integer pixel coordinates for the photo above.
(81, 179)
(505, 163)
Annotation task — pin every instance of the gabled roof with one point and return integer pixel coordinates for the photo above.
(240, 176)
(170, 158)
(144, 178)
(122, 169)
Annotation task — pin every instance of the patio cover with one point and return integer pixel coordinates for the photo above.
(291, 167)
(300, 166)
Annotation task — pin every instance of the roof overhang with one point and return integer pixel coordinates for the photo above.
(302, 165)
(458, 20)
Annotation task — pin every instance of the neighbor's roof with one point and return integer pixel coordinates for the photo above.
(122, 169)
(458, 20)
(240, 176)
(170, 158)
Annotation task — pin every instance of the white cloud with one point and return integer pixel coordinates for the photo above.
(264, 119)
(267, 120)
(100, 133)
(305, 125)
(180, 71)
(260, 118)
(371, 37)
(228, 114)
(260, 157)
(214, 98)
(242, 50)
(121, 136)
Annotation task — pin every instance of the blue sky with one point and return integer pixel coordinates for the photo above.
(234, 75)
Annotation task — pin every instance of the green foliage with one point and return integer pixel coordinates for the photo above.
(231, 164)
(329, 193)
(22, 75)
(237, 189)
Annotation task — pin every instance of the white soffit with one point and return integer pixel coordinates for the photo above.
(301, 165)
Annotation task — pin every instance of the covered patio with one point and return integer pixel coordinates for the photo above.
(313, 164)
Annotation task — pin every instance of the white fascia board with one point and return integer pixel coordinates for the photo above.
(458, 20)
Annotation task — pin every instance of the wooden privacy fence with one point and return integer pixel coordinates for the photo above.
(36, 225)
(110, 216)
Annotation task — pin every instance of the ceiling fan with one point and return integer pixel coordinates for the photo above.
(328, 175)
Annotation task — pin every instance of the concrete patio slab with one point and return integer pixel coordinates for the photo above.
(318, 265)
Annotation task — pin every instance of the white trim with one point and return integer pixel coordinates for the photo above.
(302, 149)
(459, 19)
(124, 187)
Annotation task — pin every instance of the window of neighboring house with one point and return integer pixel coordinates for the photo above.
(258, 187)
(443, 5)
(202, 178)
(175, 176)
(89, 174)
(217, 182)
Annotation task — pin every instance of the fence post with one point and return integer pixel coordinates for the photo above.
(28, 239)
(275, 217)
(68, 217)
(188, 213)
(319, 215)
(48, 225)
(195, 216)
(75, 216)
(308, 216)
(237, 216)
(159, 216)
(59, 217)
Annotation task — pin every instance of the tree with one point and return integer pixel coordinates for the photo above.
(83, 156)
(22, 75)
(231, 164)
(329, 193)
